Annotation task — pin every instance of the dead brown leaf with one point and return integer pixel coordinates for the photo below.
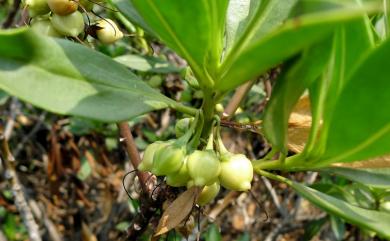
(299, 125)
(177, 211)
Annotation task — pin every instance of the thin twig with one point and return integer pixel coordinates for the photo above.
(282, 210)
(237, 98)
(19, 196)
(11, 14)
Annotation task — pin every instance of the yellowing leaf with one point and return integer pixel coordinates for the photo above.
(379, 162)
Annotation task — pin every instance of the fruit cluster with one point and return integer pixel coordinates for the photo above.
(206, 168)
(63, 18)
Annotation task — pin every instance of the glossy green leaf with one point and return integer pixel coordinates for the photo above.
(351, 43)
(282, 43)
(250, 20)
(147, 64)
(68, 78)
(289, 87)
(201, 42)
(352, 135)
(365, 218)
(373, 177)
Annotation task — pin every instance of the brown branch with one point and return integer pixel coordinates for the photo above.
(235, 101)
(131, 149)
(11, 14)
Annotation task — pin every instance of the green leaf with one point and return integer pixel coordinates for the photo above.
(200, 43)
(213, 233)
(338, 227)
(351, 43)
(373, 177)
(355, 136)
(126, 7)
(312, 228)
(369, 219)
(250, 20)
(68, 78)
(147, 64)
(280, 44)
(289, 87)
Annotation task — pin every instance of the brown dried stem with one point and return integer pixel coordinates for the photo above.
(17, 189)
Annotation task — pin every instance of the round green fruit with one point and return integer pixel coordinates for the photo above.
(70, 25)
(63, 7)
(147, 160)
(182, 126)
(44, 27)
(236, 172)
(37, 7)
(208, 194)
(180, 178)
(203, 167)
(108, 32)
(168, 160)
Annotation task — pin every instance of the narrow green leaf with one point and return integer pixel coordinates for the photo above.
(312, 228)
(147, 64)
(338, 227)
(68, 78)
(289, 87)
(373, 177)
(344, 143)
(126, 7)
(373, 220)
(282, 43)
(195, 42)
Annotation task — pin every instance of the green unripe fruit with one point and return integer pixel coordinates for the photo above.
(44, 27)
(147, 160)
(182, 126)
(168, 160)
(236, 172)
(180, 178)
(63, 7)
(208, 194)
(37, 7)
(203, 167)
(108, 32)
(70, 25)
(385, 206)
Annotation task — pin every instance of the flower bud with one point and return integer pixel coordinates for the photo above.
(63, 7)
(44, 26)
(147, 160)
(37, 7)
(208, 194)
(168, 160)
(70, 25)
(180, 178)
(108, 31)
(203, 167)
(236, 172)
(182, 126)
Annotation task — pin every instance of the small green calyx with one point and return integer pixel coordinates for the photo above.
(168, 160)
(203, 167)
(236, 172)
(182, 126)
(37, 7)
(208, 194)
